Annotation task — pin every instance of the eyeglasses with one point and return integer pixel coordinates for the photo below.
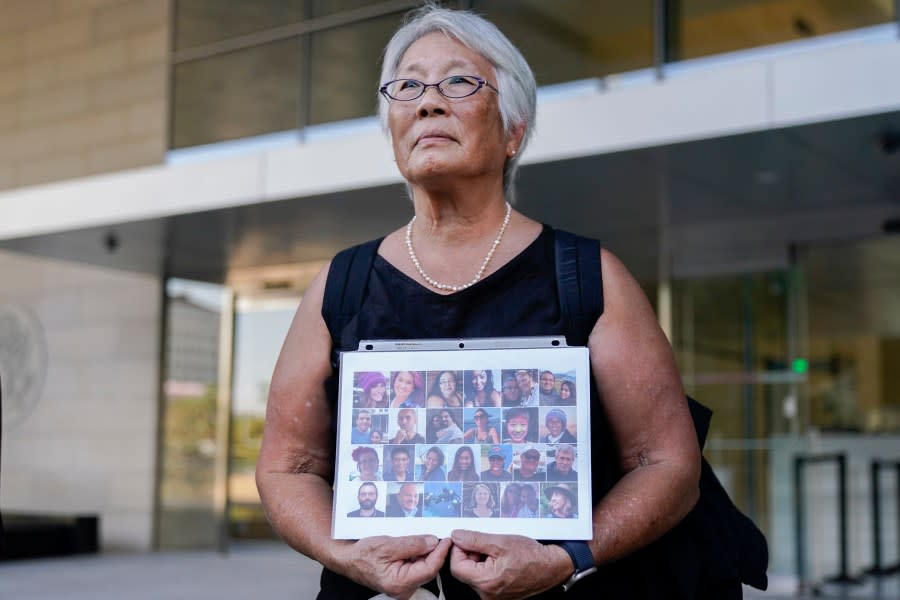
(454, 86)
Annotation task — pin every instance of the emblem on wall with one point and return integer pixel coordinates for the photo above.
(23, 362)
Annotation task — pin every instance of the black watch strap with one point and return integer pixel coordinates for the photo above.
(582, 559)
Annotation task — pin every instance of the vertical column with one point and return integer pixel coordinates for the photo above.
(664, 264)
(223, 419)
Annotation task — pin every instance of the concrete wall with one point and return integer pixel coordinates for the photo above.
(83, 87)
(88, 443)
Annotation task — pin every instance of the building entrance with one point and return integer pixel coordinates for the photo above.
(221, 344)
(261, 320)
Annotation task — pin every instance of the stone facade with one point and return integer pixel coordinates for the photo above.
(83, 87)
(87, 445)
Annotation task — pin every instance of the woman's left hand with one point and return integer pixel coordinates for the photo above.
(507, 566)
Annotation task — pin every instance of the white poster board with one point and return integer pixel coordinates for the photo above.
(491, 435)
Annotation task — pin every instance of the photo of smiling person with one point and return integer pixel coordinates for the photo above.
(520, 425)
(430, 461)
(371, 390)
(407, 389)
(529, 464)
(444, 390)
(558, 425)
(479, 388)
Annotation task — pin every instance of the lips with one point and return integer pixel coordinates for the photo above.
(434, 135)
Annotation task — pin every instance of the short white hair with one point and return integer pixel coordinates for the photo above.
(515, 80)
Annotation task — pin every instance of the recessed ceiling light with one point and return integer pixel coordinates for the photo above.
(767, 177)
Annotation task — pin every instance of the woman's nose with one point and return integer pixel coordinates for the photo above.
(432, 102)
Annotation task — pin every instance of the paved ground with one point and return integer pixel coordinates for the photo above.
(258, 570)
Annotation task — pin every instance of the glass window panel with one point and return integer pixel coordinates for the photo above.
(853, 292)
(187, 512)
(259, 329)
(321, 8)
(235, 95)
(712, 26)
(730, 341)
(345, 65)
(199, 22)
(568, 40)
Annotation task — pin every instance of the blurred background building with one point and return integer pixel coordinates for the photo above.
(173, 174)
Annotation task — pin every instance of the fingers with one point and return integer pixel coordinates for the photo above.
(411, 575)
(478, 542)
(411, 546)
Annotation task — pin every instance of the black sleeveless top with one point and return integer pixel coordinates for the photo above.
(519, 299)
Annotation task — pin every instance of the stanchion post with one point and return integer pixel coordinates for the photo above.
(842, 514)
(799, 497)
(876, 517)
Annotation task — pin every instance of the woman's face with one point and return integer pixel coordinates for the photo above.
(403, 384)
(400, 463)
(528, 496)
(481, 420)
(564, 391)
(376, 392)
(510, 390)
(368, 462)
(464, 461)
(513, 494)
(479, 380)
(436, 138)
(431, 461)
(482, 496)
(447, 382)
(517, 428)
(554, 426)
(558, 503)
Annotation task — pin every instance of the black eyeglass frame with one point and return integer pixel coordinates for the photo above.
(482, 82)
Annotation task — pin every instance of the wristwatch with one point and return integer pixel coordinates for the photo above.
(581, 556)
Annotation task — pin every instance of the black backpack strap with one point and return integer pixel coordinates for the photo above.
(345, 289)
(579, 284)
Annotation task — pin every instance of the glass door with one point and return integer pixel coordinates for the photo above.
(734, 343)
(261, 321)
(192, 436)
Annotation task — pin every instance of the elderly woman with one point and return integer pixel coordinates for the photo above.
(458, 103)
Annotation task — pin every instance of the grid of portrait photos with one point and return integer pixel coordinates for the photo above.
(478, 439)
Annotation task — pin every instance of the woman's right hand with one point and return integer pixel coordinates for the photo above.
(396, 566)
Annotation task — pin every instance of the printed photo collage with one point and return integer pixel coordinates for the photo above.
(494, 443)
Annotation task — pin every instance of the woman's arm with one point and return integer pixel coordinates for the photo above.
(297, 459)
(495, 437)
(642, 396)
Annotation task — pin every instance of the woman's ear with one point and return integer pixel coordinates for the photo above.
(514, 141)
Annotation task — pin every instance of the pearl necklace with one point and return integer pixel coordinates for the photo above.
(446, 286)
